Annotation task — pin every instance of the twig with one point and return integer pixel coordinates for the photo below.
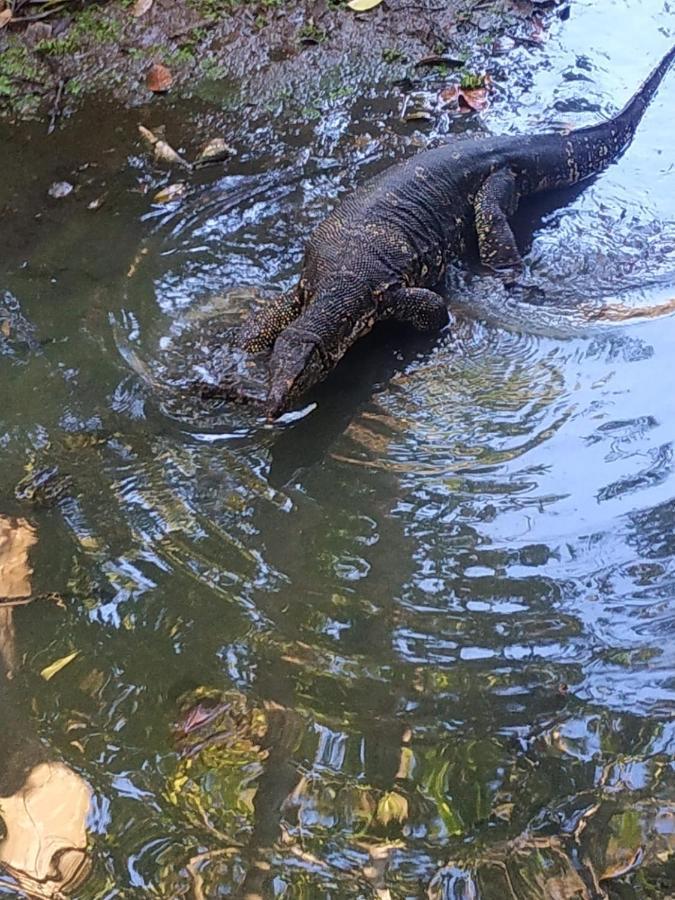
(56, 107)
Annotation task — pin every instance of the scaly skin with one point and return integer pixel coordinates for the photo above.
(383, 250)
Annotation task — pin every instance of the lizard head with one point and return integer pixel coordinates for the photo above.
(298, 362)
(308, 349)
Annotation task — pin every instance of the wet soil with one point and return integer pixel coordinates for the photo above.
(250, 54)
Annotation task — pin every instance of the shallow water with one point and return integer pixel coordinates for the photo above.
(417, 641)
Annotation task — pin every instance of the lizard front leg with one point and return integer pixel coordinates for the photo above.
(425, 310)
(262, 327)
(496, 200)
(241, 373)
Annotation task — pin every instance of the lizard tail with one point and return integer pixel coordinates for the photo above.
(597, 145)
(634, 109)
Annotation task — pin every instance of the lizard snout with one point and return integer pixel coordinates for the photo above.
(296, 366)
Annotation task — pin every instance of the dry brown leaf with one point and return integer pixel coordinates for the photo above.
(140, 7)
(147, 135)
(158, 79)
(5, 17)
(165, 153)
(450, 94)
(475, 99)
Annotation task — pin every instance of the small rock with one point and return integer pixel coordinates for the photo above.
(60, 189)
(159, 79)
(36, 32)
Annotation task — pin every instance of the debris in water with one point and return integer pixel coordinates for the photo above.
(60, 189)
(163, 152)
(170, 192)
(54, 668)
(214, 151)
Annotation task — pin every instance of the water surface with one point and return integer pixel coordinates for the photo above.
(417, 642)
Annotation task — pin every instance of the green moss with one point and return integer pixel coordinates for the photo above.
(58, 46)
(90, 24)
(392, 55)
(213, 70)
(74, 87)
(470, 81)
(180, 56)
(15, 62)
(312, 34)
(215, 9)
(98, 25)
(17, 70)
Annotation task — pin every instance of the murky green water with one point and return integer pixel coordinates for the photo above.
(415, 643)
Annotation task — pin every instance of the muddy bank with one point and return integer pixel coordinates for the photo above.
(231, 52)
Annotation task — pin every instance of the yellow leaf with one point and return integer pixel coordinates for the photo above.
(363, 5)
(170, 192)
(50, 671)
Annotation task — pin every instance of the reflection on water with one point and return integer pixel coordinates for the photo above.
(414, 642)
(43, 803)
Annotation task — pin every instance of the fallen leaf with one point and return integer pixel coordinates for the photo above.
(60, 189)
(214, 151)
(475, 99)
(363, 5)
(441, 60)
(159, 79)
(140, 7)
(170, 192)
(5, 328)
(450, 94)
(422, 115)
(51, 670)
(133, 268)
(97, 203)
(166, 154)
(5, 17)
(147, 135)
(538, 34)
